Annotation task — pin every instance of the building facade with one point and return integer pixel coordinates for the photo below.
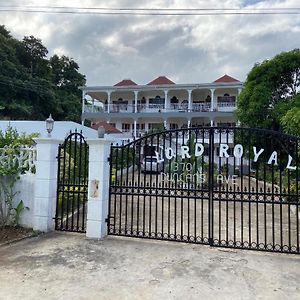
(136, 109)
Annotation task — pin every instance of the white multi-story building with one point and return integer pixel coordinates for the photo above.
(135, 109)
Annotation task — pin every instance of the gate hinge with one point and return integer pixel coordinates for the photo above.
(106, 220)
(108, 159)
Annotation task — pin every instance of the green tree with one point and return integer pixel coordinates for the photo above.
(270, 91)
(67, 80)
(291, 120)
(34, 55)
(33, 86)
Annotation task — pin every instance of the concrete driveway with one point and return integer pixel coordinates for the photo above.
(68, 266)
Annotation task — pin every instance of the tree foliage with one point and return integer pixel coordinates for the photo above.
(33, 86)
(270, 92)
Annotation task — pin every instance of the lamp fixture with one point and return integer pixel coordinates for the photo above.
(49, 125)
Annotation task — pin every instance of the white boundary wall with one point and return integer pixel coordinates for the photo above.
(26, 188)
(38, 191)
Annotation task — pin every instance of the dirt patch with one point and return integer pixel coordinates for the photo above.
(11, 234)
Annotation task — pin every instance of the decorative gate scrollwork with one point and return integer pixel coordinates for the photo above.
(227, 187)
(72, 184)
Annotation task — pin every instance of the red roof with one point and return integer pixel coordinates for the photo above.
(161, 80)
(125, 82)
(225, 79)
(107, 127)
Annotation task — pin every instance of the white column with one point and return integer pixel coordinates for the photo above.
(190, 105)
(98, 187)
(211, 123)
(166, 99)
(135, 101)
(189, 123)
(82, 109)
(45, 184)
(134, 128)
(165, 124)
(212, 101)
(108, 101)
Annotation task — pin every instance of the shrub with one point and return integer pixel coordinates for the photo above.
(12, 165)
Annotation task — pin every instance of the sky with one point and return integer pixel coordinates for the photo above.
(186, 49)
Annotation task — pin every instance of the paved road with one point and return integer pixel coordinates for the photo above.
(68, 266)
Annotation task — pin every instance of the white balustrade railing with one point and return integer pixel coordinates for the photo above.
(130, 108)
(201, 107)
(226, 104)
(23, 158)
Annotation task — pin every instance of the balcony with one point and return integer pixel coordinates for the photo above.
(222, 106)
(226, 106)
(199, 107)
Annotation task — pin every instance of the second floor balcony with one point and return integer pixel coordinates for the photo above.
(226, 106)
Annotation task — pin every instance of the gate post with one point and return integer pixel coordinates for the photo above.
(98, 188)
(45, 184)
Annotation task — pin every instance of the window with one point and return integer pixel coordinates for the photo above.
(226, 98)
(173, 126)
(140, 126)
(155, 126)
(208, 98)
(184, 104)
(156, 102)
(174, 100)
(125, 127)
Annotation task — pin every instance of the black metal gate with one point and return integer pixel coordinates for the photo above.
(72, 184)
(228, 187)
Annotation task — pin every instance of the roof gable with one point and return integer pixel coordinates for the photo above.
(125, 82)
(160, 80)
(107, 127)
(226, 79)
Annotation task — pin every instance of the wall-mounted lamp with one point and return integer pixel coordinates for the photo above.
(49, 125)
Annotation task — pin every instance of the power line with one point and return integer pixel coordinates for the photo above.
(149, 11)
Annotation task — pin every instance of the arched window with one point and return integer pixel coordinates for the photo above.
(184, 104)
(174, 100)
(208, 98)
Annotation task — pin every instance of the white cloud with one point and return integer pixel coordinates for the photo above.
(187, 49)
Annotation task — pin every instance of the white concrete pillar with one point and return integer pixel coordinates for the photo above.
(45, 184)
(165, 124)
(211, 123)
(166, 99)
(134, 128)
(190, 104)
(108, 101)
(135, 101)
(82, 109)
(189, 123)
(98, 188)
(212, 101)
